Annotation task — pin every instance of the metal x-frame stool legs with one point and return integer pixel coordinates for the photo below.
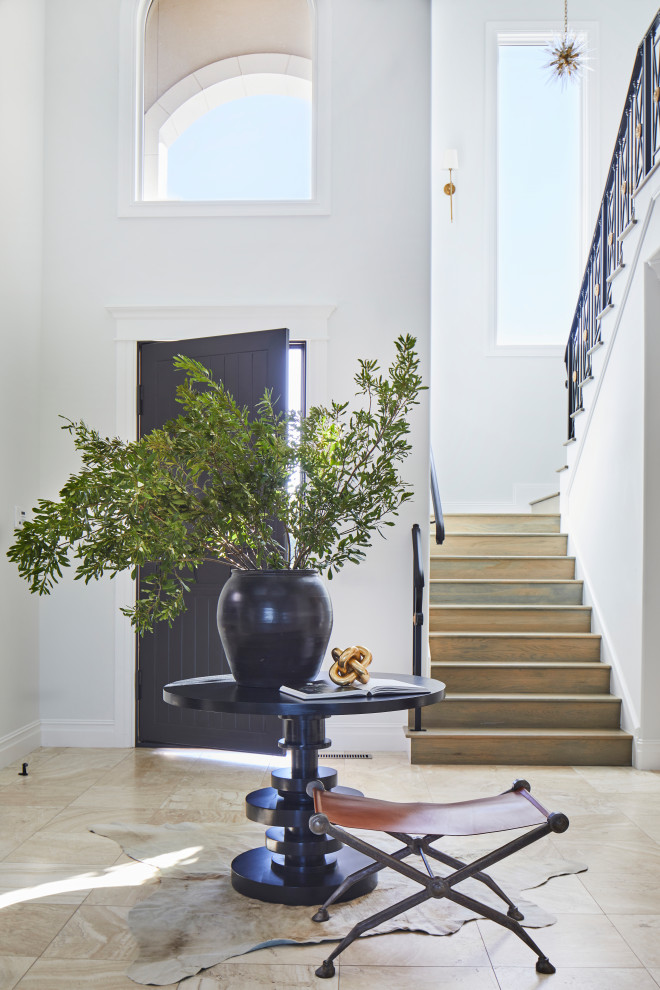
(433, 886)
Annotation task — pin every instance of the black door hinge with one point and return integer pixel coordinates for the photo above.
(140, 399)
(139, 685)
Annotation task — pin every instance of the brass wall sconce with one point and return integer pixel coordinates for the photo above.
(450, 161)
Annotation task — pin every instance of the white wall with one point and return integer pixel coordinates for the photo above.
(498, 422)
(610, 493)
(369, 257)
(21, 121)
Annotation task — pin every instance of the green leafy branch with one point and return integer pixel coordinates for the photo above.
(214, 484)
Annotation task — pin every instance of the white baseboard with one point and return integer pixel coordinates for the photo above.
(352, 736)
(646, 754)
(19, 743)
(79, 732)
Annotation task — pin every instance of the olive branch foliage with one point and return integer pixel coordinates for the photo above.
(210, 483)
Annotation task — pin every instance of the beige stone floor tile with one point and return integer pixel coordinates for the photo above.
(564, 895)
(464, 948)
(205, 798)
(62, 848)
(621, 893)
(642, 933)
(63, 883)
(18, 824)
(621, 779)
(98, 757)
(576, 940)
(27, 929)
(12, 968)
(79, 974)
(135, 777)
(655, 973)
(95, 932)
(519, 978)
(76, 821)
(650, 824)
(129, 796)
(420, 977)
(174, 816)
(636, 805)
(41, 793)
(251, 977)
(122, 895)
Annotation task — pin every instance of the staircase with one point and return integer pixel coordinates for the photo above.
(512, 641)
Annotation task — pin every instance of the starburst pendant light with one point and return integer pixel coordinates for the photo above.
(567, 54)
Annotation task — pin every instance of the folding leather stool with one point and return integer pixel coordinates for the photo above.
(417, 826)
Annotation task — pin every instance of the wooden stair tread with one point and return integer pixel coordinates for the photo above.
(517, 635)
(453, 580)
(523, 733)
(520, 665)
(527, 698)
(507, 534)
(527, 608)
(471, 558)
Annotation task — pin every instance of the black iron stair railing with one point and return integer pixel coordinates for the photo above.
(437, 505)
(418, 611)
(418, 581)
(636, 156)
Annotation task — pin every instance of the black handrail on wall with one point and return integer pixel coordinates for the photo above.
(636, 156)
(437, 505)
(418, 611)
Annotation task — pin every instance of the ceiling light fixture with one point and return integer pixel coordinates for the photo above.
(568, 54)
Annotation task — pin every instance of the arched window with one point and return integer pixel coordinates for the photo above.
(227, 101)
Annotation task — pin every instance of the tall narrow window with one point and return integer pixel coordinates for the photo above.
(539, 197)
(228, 101)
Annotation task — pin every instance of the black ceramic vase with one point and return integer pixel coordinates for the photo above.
(274, 626)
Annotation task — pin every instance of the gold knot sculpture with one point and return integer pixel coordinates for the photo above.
(350, 665)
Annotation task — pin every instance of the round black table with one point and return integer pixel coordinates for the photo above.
(295, 866)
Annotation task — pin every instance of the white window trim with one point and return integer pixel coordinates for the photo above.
(131, 131)
(536, 32)
(147, 323)
(218, 83)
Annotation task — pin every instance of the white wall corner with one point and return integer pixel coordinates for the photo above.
(79, 732)
(19, 743)
(630, 713)
(646, 753)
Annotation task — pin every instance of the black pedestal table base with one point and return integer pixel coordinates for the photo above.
(295, 866)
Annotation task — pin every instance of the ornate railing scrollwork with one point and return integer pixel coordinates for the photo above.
(636, 155)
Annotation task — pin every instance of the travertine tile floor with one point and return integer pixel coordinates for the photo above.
(65, 893)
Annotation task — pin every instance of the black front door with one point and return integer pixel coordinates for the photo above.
(247, 363)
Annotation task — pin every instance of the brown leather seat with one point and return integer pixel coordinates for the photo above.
(490, 814)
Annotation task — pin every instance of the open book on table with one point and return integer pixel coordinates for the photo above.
(324, 689)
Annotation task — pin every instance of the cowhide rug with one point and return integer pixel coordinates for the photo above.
(196, 919)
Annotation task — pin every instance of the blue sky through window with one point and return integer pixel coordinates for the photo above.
(539, 200)
(254, 148)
